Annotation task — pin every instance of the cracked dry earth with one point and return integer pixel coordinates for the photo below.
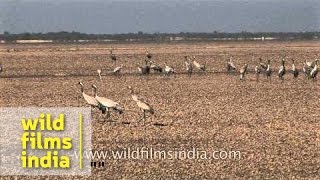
(275, 125)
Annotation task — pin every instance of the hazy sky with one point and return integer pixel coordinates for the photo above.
(107, 16)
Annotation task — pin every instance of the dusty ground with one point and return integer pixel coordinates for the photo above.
(276, 125)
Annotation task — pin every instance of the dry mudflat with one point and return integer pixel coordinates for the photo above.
(275, 125)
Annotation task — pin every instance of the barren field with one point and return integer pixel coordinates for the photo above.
(275, 125)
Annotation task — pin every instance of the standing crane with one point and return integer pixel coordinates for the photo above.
(243, 71)
(314, 72)
(200, 67)
(306, 70)
(282, 70)
(113, 56)
(107, 103)
(189, 66)
(116, 71)
(268, 70)
(142, 104)
(168, 70)
(295, 71)
(230, 65)
(257, 70)
(99, 73)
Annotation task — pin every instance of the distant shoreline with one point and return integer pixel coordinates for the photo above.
(77, 37)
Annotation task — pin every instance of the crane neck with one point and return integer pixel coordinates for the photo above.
(95, 91)
(81, 87)
(131, 91)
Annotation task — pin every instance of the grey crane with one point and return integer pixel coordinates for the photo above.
(314, 72)
(230, 65)
(295, 71)
(107, 103)
(268, 70)
(168, 70)
(99, 73)
(243, 71)
(257, 70)
(113, 56)
(142, 104)
(306, 70)
(282, 70)
(188, 65)
(200, 67)
(116, 71)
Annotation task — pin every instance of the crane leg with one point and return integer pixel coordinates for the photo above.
(141, 117)
(108, 116)
(144, 117)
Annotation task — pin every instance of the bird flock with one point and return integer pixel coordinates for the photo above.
(149, 66)
(310, 69)
(107, 106)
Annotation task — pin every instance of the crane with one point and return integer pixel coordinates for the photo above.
(269, 70)
(257, 70)
(142, 104)
(168, 70)
(282, 70)
(107, 103)
(99, 73)
(112, 56)
(188, 65)
(230, 65)
(200, 67)
(243, 71)
(314, 72)
(295, 71)
(116, 71)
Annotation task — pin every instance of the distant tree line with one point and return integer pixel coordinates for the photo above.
(141, 36)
